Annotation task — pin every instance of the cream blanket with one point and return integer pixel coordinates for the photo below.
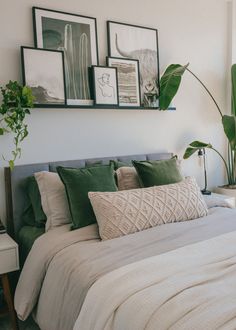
(63, 265)
(193, 287)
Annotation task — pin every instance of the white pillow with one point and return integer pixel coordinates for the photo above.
(127, 178)
(53, 198)
(128, 211)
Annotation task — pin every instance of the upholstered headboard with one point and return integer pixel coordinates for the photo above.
(16, 199)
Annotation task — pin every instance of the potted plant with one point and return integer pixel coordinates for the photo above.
(17, 100)
(170, 82)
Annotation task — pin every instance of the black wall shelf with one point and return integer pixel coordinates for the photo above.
(93, 107)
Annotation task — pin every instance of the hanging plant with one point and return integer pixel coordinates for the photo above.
(17, 100)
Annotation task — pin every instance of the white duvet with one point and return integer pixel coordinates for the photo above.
(193, 287)
(153, 277)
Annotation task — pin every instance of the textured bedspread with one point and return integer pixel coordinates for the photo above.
(189, 288)
(63, 265)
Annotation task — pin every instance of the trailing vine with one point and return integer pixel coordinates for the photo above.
(17, 100)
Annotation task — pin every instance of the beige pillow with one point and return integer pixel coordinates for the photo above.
(53, 198)
(127, 178)
(126, 212)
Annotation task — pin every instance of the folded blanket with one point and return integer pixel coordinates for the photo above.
(190, 288)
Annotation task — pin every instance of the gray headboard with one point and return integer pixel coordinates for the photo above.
(16, 198)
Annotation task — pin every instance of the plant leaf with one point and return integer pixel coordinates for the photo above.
(233, 89)
(11, 164)
(229, 124)
(169, 84)
(200, 145)
(189, 152)
(195, 146)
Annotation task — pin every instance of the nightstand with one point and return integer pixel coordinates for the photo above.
(219, 197)
(9, 262)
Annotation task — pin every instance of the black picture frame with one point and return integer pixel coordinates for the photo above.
(147, 78)
(39, 90)
(112, 93)
(122, 94)
(86, 28)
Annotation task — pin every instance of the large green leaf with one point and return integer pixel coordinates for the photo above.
(229, 124)
(200, 145)
(195, 146)
(233, 89)
(169, 84)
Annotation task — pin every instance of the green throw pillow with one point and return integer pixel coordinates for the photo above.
(117, 164)
(35, 208)
(78, 182)
(157, 172)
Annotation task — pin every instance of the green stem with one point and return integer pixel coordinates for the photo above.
(226, 167)
(208, 92)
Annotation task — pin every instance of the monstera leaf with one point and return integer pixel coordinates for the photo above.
(229, 124)
(169, 84)
(195, 146)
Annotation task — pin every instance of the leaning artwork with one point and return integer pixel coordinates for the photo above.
(140, 43)
(76, 36)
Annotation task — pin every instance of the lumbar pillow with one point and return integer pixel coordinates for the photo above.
(127, 178)
(54, 200)
(128, 211)
(157, 172)
(78, 182)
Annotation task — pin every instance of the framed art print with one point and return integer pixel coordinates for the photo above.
(140, 43)
(76, 36)
(43, 71)
(128, 80)
(105, 85)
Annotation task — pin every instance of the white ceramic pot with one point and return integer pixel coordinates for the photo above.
(223, 190)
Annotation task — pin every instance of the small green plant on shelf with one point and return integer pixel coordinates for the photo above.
(17, 100)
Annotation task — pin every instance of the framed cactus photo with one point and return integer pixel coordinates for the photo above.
(76, 36)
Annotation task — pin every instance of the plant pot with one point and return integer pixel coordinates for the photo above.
(227, 191)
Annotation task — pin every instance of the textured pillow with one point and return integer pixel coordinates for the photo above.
(78, 182)
(34, 214)
(126, 212)
(157, 172)
(127, 178)
(54, 200)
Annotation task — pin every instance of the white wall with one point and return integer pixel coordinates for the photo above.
(189, 31)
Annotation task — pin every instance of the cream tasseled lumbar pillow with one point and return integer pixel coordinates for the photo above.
(129, 211)
(127, 178)
(53, 198)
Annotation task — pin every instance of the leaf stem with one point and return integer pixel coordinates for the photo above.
(226, 166)
(207, 90)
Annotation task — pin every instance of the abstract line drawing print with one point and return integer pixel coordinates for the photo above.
(107, 90)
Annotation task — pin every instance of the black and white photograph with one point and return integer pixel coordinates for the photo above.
(76, 36)
(105, 85)
(128, 80)
(141, 43)
(43, 72)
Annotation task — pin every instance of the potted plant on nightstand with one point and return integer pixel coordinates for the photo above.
(17, 100)
(228, 122)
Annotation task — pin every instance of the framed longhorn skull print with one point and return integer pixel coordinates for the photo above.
(140, 43)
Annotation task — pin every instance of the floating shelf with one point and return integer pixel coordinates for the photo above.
(102, 107)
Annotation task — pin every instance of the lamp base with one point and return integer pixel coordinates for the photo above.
(205, 192)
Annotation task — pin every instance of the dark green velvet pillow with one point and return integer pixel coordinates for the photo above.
(78, 182)
(34, 209)
(157, 172)
(117, 164)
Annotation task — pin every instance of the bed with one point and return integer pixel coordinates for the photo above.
(174, 276)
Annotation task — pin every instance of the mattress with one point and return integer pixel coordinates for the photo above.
(26, 238)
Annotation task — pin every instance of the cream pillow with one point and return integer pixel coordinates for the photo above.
(53, 198)
(127, 178)
(126, 212)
